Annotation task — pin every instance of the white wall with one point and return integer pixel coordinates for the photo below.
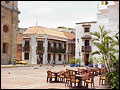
(107, 17)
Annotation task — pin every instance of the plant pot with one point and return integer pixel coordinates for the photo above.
(72, 65)
(77, 65)
(96, 65)
(102, 66)
(89, 65)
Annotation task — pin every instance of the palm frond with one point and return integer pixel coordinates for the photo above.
(96, 52)
(95, 34)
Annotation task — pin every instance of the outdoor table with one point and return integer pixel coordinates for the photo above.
(79, 77)
(76, 71)
(55, 73)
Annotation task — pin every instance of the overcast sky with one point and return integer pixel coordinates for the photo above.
(53, 14)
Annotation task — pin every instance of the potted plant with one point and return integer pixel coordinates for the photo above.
(102, 62)
(96, 62)
(90, 60)
(72, 62)
(77, 62)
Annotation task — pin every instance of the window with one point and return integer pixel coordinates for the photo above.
(54, 45)
(64, 45)
(5, 28)
(26, 56)
(40, 43)
(26, 42)
(54, 57)
(86, 30)
(86, 42)
(5, 47)
(69, 46)
(49, 56)
(59, 57)
(60, 45)
(49, 45)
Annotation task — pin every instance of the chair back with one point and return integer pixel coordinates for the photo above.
(67, 70)
(71, 72)
(72, 79)
(62, 72)
(81, 71)
(49, 74)
(66, 74)
(85, 76)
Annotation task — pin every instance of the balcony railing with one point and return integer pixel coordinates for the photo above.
(40, 49)
(70, 51)
(26, 48)
(57, 50)
(86, 49)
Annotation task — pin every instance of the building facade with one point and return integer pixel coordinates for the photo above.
(107, 15)
(19, 43)
(47, 45)
(9, 27)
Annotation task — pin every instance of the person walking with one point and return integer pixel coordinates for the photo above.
(64, 63)
(52, 63)
(14, 59)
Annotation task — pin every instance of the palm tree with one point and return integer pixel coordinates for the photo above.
(105, 45)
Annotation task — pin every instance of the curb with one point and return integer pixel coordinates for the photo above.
(14, 66)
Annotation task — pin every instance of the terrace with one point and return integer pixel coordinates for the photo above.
(35, 77)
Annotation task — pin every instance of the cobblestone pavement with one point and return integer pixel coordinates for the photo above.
(35, 78)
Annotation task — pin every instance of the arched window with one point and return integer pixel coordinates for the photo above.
(5, 28)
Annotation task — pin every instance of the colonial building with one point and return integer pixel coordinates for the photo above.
(9, 27)
(47, 44)
(107, 15)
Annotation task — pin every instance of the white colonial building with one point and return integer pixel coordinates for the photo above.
(107, 15)
(47, 44)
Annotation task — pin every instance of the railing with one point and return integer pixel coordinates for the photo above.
(86, 49)
(70, 51)
(26, 48)
(57, 50)
(40, 49)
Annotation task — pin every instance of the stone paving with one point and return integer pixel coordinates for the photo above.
(35, 78)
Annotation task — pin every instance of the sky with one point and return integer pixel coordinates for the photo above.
(52, 14)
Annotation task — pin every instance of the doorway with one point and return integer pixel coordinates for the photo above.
(40, 55)
(86, 57)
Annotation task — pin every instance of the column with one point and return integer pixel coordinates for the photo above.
(45, 51)
(66, 51)
(33, 54)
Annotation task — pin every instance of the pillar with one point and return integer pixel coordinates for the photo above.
(33, 54)
(45, 51)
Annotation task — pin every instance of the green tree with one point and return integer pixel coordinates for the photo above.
(109, 52)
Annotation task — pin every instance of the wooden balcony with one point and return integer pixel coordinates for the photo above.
(26, 48)
(70, 51)
(57, 50)
(86, 49)
(39, 49)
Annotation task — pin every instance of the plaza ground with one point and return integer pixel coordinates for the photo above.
(34, 77)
